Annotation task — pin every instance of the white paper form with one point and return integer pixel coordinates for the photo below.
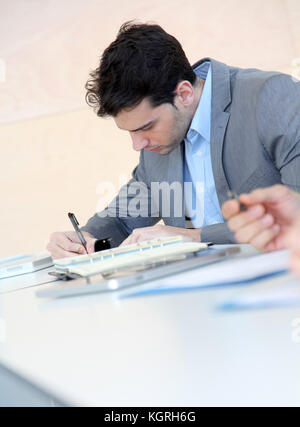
(230, 272)
(280, 292)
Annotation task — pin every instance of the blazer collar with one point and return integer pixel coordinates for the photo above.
(221, 94)
(221, 99)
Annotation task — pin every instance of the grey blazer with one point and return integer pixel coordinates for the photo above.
(255, 142)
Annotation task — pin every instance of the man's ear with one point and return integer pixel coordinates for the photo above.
(184, 93)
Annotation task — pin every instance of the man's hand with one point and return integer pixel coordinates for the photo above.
(270, 212)
(292, 241)
(149, 233)
(67, 244)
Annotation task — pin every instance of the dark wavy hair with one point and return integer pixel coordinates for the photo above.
(143, 62)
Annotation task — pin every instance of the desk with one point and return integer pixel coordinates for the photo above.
(167, 349)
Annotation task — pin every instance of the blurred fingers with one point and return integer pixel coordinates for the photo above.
(248, 232)
(266, 195)
(245, 218)
(263, 239)
(295, 262)
(230, 208)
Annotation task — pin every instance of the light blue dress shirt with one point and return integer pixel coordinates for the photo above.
(200, 196)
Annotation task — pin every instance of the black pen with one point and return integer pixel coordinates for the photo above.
(75, 224)
(233, 195)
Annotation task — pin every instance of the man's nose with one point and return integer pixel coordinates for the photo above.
(138, 142)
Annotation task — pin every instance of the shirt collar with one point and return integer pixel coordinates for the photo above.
(201, 120)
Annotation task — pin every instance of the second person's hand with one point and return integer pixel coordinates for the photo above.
(270, 212)
(292, 241)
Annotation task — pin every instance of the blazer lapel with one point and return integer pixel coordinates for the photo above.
(175, 175)
(221, 98)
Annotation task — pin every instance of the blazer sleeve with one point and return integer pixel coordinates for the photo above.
(218, 234)
(278, 123)
(130, 209)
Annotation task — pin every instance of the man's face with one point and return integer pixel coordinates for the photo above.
(158, 129)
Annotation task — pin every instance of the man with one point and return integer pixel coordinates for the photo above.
(271, 221)
(201, 131)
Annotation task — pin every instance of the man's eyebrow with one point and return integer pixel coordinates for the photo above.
(142, 127)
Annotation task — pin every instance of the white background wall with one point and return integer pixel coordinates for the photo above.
(54, 149)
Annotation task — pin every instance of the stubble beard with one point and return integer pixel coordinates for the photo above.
(179, 131)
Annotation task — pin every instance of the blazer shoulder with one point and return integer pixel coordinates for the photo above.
(258, 81)
(278, 106)
(260, 87)
(242, 82)
(252, 79)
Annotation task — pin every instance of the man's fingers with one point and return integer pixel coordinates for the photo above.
(61, 239)
(134, 237)
(244, 218)
(292, 238)
(153, 232)
(90, 245)
(67, 242)
(247, 233)
(77, 248)
(58, 252)
(61, 245)
(262, 240)
(230, 208)
(295, 262)
(69, 246)
(142, 234)
(265, 195)
(127, 241)
(233, 207)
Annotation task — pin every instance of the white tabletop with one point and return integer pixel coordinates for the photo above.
(166, 349)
